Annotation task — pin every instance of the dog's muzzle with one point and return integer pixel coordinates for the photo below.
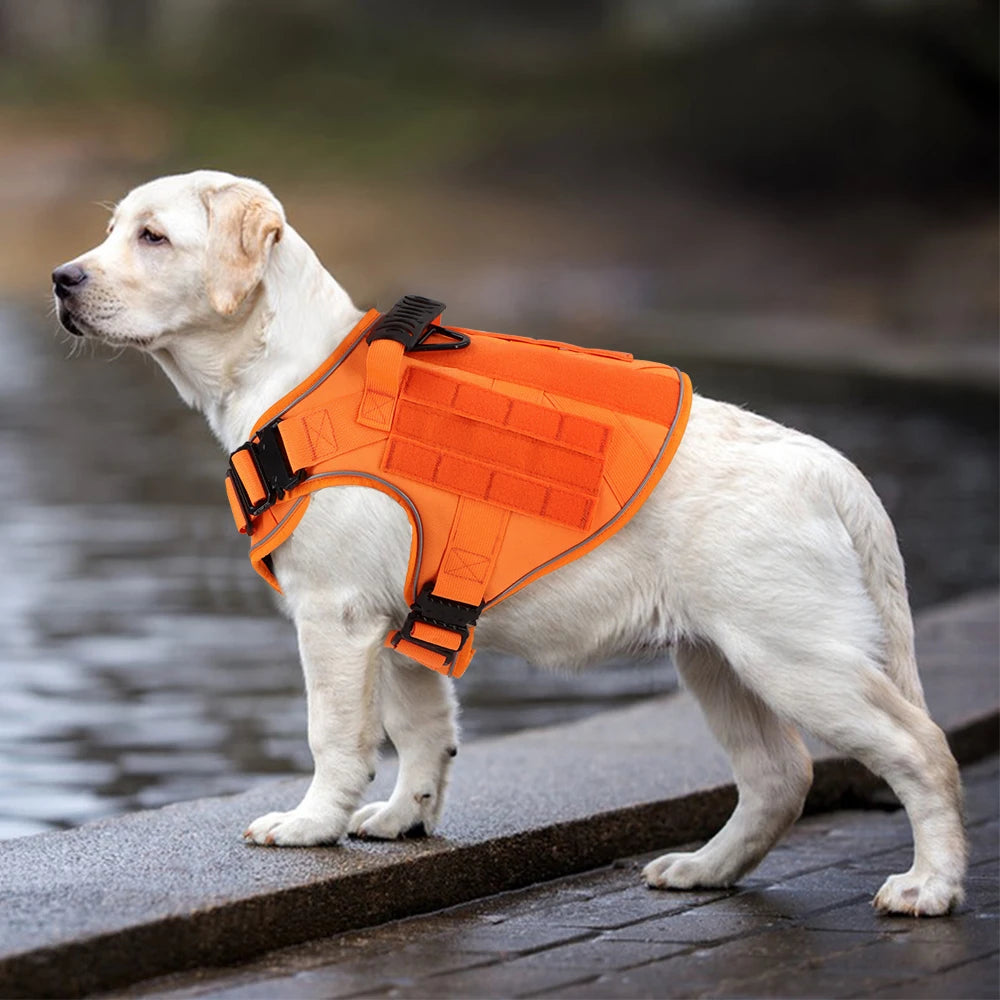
(66, 281)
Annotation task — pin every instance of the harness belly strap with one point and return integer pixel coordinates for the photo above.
(503, 476)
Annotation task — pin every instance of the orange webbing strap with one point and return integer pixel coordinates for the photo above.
(239, 515)
(439, 630)
(403, 328)
(440, 649)
(313, 436)
(477, 535)
(305, 440)
(246, 469)
(378, 401)
(245, 489)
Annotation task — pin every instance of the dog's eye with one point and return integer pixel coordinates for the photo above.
(146, 235)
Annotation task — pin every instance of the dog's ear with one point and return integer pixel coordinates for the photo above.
(244, 222)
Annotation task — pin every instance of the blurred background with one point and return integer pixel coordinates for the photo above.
(794, 200)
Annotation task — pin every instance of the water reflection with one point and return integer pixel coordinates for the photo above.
(143, 661)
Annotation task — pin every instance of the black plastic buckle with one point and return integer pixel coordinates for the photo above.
(408, 322)
(453, 616)
(272, 466)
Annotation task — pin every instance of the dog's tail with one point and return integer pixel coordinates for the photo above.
(874, 540)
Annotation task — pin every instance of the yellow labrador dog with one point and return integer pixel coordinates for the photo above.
(763, 558)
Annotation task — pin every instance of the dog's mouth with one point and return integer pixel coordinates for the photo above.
(69, 323)
(72, 323)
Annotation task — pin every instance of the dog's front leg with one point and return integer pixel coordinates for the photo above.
(418, 713)
(339, 659)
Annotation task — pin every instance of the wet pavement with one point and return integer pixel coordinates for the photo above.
(155, 892)
(144, 663)
(800, 926)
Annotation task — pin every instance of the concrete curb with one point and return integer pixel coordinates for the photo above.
(154, 892)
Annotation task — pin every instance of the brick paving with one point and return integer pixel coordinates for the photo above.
(800, 926)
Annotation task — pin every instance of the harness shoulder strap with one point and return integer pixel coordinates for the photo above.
(438, 631)
(439, 628)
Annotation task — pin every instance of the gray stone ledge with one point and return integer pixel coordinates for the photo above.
(154, 892)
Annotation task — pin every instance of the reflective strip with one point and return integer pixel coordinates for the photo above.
(268, 417)
(262, 542)
(314, 483)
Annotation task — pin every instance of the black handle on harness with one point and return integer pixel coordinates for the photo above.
(408, 322)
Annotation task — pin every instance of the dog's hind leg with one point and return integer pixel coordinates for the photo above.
(772, 767)
(840, 694)
(418, 713)
(923, 773)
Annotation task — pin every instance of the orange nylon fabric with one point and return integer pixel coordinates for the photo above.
(510, 457)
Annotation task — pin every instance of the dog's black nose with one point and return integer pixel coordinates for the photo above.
(68, 277)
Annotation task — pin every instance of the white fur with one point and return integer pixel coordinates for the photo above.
(763, 557)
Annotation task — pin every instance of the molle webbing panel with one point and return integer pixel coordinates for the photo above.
(485, 445)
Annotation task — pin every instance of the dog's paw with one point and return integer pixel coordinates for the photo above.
(409, 817)
(295, 829)
(683, 871)
(918, 895)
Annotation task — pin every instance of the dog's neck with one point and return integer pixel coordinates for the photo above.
(295, 319)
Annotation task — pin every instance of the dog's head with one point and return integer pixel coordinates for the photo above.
(182, 253)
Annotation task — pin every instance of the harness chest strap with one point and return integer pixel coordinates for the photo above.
(495, 453)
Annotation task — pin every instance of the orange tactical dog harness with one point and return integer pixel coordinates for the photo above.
(510, 457)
